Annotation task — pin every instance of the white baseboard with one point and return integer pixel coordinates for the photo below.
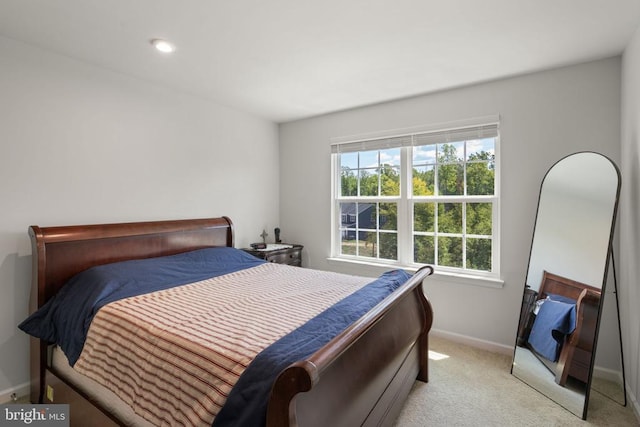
(20, 391)
(474, 342)
(633, 401)
(608, 374)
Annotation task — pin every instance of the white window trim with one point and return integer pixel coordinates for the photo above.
(490, 279)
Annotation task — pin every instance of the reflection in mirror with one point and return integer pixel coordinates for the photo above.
(565, 283)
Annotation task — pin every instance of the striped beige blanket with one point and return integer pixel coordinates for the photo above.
(174, 355)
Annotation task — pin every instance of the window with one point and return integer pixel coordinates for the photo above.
(422, 197)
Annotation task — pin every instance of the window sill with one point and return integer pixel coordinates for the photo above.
(444, 276)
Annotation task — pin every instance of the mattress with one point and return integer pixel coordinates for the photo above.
(116, 406)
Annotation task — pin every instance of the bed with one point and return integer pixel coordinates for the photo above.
(565, 297)
(361, 376)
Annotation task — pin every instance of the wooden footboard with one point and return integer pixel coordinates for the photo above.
(360, 378)
(363, 375)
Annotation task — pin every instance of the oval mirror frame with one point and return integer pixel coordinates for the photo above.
(569, 258)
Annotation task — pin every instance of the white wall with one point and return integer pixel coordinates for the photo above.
(79, 144)
(630, 216)
(544, 116)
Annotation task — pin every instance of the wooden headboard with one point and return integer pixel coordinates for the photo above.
(558, 285)
(61, 252)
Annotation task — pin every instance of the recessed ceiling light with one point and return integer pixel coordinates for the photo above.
(163, 45)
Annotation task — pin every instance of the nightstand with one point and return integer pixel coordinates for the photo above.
(290, 256)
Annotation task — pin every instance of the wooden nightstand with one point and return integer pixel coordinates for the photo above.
(289, 256)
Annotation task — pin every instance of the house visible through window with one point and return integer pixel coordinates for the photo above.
(424, 197)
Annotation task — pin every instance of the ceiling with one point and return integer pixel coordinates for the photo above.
(290, 59)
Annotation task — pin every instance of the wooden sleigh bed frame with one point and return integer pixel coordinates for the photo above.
(576, 353)
(361, 377)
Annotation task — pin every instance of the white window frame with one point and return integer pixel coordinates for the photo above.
(438, 133)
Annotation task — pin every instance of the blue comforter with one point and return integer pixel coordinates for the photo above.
(65, 319)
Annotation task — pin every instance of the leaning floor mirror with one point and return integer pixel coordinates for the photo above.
(565, 283)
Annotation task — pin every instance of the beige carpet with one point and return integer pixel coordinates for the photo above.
(473, 387)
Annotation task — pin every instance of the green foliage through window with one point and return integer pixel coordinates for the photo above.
(448, 220)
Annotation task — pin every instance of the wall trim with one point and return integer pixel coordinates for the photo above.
(20, 391)
(633, 401)
(491, 346)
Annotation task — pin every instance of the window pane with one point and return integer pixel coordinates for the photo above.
(368, 246)
(348, 220)
(388, 216)
(450, 251)
(480, 178)
(390, 185)
(367, 216)
(423, 180)
(423, 217)
(389, 246)
(424, 154)
(481, 149)
(347, 214)
(452, 152)
(451, 179)
(368, 159)
(450, 218)
(390, 157)
(479, 254)
(479, 218)
(348, 228)
(423, 249)
(348, 182)
(369, 182)
(348, 247)
(349, 160)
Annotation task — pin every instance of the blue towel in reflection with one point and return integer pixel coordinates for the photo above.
(555, 320)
